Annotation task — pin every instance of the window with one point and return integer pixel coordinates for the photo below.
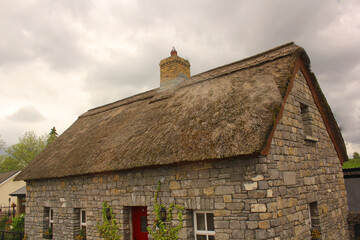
(306, 118)
(51, 218)
(307, 121)
(83, 222)
(48, 222)
(314, 216)
(204, 225)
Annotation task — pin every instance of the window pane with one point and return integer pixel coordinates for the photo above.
(211, 237)
(143, 224)
(51, 215)
(84, 230)
(200, 237)
(210, 221)
(83, 216)
(200, 218)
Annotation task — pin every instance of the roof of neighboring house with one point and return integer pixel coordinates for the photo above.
(352, 163)
(226, 112)
(20, 192)
(6, 175)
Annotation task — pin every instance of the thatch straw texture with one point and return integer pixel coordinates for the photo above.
(225, 112)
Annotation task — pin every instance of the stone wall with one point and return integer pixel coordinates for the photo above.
(304, 170)
(299, 184)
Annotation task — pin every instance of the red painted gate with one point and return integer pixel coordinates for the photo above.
(139, 223)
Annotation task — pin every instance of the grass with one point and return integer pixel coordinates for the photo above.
(352, 163)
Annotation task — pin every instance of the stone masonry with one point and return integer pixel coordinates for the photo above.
(173, 67)
(298, 185)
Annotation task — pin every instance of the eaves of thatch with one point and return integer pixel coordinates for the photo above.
(230, 111)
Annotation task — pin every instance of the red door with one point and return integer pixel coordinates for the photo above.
(139, 223)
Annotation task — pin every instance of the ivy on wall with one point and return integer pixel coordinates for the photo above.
(109, 229)
(164, 230)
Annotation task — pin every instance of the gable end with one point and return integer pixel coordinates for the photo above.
(322, 105)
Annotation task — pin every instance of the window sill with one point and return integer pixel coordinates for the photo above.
(311, 139)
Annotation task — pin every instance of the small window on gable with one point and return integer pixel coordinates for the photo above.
(204, 225)
(314, 217)
(306, 119)
(307, 122)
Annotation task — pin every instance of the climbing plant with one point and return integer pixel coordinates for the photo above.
(109, 229)
(164, 230)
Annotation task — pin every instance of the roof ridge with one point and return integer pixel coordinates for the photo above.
(127, 101)
(248, 58)
(118, 103)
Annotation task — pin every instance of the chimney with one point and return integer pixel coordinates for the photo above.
(172, 68)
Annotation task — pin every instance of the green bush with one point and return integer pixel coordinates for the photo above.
(18, 223)
(3, 222)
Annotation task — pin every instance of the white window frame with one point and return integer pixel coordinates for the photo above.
(83, 224)
(202, 232)
(51, 218)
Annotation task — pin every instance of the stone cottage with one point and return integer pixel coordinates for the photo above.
(250, 149)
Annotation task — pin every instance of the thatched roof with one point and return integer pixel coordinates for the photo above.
(225, 112)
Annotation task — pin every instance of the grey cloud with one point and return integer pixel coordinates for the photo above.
(41, 31)
(26, 114)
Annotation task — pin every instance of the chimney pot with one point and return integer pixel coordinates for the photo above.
(173, 67)
(173, 52)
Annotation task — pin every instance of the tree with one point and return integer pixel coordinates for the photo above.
(7, 164)
(52, 136)
(3, 158)
(28, 147)
(2, 144)
(356, 155)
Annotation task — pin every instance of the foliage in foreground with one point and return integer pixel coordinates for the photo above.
(15, 224)
(3, 222)
(164, 230)
(315, 234)
(18, 223)
(109, 229)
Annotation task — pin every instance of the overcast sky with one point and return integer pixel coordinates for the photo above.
(60, 58)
